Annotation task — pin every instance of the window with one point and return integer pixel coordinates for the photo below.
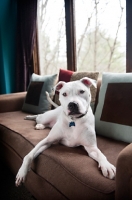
(101, 35)
(97, 44)
(51, 36)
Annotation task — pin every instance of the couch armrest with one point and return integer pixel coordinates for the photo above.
(11, 102)
(124, 174)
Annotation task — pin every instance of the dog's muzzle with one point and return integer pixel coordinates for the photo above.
(73, 108)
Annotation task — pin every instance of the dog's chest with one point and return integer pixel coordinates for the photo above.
(71, 137)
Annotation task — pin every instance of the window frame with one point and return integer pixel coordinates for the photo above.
(70, 34)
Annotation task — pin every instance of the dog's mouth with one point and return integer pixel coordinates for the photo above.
(74, 113)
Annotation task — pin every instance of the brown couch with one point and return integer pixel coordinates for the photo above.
(61, 172)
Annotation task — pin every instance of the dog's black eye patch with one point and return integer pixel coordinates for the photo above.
(82, 91)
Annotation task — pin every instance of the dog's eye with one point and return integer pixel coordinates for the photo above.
(64, 94)
(82, 91)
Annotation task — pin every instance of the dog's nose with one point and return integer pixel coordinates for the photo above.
(72, 106)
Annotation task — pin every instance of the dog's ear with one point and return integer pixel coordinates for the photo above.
(88, 82)
(59, 85)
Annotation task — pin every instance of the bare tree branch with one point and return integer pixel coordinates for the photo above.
(115, 41)
(95, 34)
(83, 34)
(87, 52)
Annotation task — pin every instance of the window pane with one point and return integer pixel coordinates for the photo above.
(51, 36)
(101, 35)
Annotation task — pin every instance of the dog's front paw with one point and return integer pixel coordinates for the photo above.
(39, 126)
(21, 176)
(108, 170)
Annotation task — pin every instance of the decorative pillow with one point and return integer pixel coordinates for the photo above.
(113, 115)
(36, 101)
(67, 76)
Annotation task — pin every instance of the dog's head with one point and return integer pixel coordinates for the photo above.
(75, 96)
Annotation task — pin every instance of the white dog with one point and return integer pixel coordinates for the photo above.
(72, 125)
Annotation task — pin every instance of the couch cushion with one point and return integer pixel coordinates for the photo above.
(112, 116)
(69, 170)
(36, 101)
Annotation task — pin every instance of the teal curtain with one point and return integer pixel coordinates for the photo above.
(8, 21)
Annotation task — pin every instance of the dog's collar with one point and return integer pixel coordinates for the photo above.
(81, 115)
(72, 123)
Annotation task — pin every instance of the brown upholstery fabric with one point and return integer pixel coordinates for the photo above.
(68, 170)
(124, 174)
(38, 186)
(11, 102)
(118, 103)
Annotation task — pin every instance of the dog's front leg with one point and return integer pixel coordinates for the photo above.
(54, 136)
(40, 147)
(108, 170)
